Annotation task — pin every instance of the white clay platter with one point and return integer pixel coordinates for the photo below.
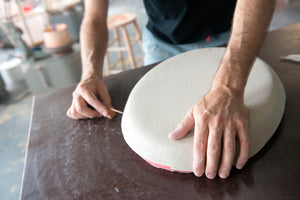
(160, 100)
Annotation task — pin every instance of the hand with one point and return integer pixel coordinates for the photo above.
(219, 118)
(86, 92)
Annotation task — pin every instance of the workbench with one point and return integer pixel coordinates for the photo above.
(89, 159)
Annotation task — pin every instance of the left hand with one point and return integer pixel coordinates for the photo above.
(219, 118)
(87, 91)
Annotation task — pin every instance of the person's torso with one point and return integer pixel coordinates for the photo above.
(184, 21)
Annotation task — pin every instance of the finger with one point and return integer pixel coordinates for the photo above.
(228, 151)
(91, 99)
(72, 113)
(213, 150)
(104, 95)
(183, 127)
(83, 109)
(200, 144)
(242, 134)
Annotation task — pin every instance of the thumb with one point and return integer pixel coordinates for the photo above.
(183, 127)
(106, 100)
(104, 95)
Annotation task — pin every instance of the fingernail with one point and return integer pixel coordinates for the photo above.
(223, 175)
(199, 172)
(210, 175)
(239, 166)
(105, 114)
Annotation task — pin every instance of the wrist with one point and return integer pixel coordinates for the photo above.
(232, 74)
(227, 91)
(89, 72)
(229, 82)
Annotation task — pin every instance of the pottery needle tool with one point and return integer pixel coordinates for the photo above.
(111, 108)
(117, 111)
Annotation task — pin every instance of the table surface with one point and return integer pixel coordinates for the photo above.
(89, 159)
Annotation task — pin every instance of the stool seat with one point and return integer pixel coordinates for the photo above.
(120, 20)
(124, 43)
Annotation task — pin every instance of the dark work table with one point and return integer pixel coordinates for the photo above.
(88, 159)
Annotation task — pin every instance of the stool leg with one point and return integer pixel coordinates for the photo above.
(106, 65)
(138, 33)
(117, 36)
(128, 46)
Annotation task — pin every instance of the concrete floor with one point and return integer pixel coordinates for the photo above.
(14, 124)
(16, 108)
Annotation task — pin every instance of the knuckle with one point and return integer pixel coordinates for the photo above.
(229, 147)
(69, 114)
(72, 110)
(202, 118)
(81, 87)
(214, 148)
(217, 124)
(230, 125)
(200, 146)
(243, 124)
(74, 94)
(205, 114)
(218, 119)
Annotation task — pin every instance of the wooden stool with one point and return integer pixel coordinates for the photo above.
(115, 23)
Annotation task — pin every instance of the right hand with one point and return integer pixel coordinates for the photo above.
(87, 91)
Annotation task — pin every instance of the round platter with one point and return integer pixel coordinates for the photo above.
(160, 100)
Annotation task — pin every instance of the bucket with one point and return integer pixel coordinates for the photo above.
(11, 73)
(56, 36)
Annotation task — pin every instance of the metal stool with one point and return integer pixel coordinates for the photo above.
(115, 23)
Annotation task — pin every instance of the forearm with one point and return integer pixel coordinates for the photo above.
(93, 37)
(93, 41)
(250, 23)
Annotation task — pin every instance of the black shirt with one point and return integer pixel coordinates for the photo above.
(186, 21)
